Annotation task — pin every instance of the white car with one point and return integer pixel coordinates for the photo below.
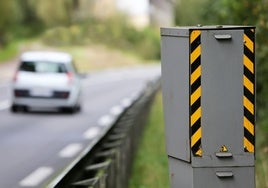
(46, 80)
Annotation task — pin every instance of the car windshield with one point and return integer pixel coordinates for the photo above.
(43, 67)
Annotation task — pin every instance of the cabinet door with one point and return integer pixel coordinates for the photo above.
(222, 91)
(175, 87)
(234, 177)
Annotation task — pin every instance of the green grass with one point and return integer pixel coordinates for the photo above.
(261, 159)
(150, 168)
(8, 52)
(98, 57)
(15, 47)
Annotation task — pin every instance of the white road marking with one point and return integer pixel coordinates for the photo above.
(4, 105)
(70, 150)
(116, 110)
(126, 102)
(36, 177)
(91, 133)
(105, 120)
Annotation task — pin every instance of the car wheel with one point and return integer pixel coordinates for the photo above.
(24, 109)
(69, 110)
(14, 108)
(78, 108)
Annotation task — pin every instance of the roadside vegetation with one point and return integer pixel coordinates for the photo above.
(150, 168)
(60, 25)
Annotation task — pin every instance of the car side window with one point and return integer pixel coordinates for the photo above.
(27, 66)
(62, 68)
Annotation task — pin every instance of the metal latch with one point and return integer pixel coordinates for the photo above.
(225, 174)
(224, 153)
(223, 37)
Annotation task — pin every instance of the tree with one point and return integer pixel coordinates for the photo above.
(189, 12)
(238, 12)
(7, 18)
(54, 13)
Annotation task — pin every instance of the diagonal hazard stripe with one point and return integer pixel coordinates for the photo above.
(249, 95)
(195, 92)
(195, 54)
(248, 64)
(195, 75)
(195, 64)
(249, 105)
(249, 116)
(196, 125)
(249, 126)
(196, 148)
(249, 54)
(196, 136)
(194, 35)
(249, 43)
(249, 136)
(195, 85)
(249, 147)
(195, 43)
(248, 84)
(196, 105)
(249, 91)
(250, 33)
(195, 95)
(249, 74)
(196, 115)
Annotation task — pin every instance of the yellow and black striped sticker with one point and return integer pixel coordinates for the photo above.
(195, 92)
(249, 90)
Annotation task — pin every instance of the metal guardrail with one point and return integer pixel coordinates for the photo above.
(108, 163)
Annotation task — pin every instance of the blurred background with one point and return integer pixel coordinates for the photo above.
(113, 33)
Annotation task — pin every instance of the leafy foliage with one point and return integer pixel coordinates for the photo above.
(61, 23)
(114, 32)
(54, 12)
(7, 18)
(189, 12)
(27, 17)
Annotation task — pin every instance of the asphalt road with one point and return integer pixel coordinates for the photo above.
(36, 146)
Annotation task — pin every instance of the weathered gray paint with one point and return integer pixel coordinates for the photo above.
(222, 92)
(222, 108)
(243, 177)
(175, 86)
(183, 175)
(180, 174)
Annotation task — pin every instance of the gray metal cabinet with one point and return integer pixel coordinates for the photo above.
(208, 84)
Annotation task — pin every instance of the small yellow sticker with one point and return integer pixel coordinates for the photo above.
(223, 149)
